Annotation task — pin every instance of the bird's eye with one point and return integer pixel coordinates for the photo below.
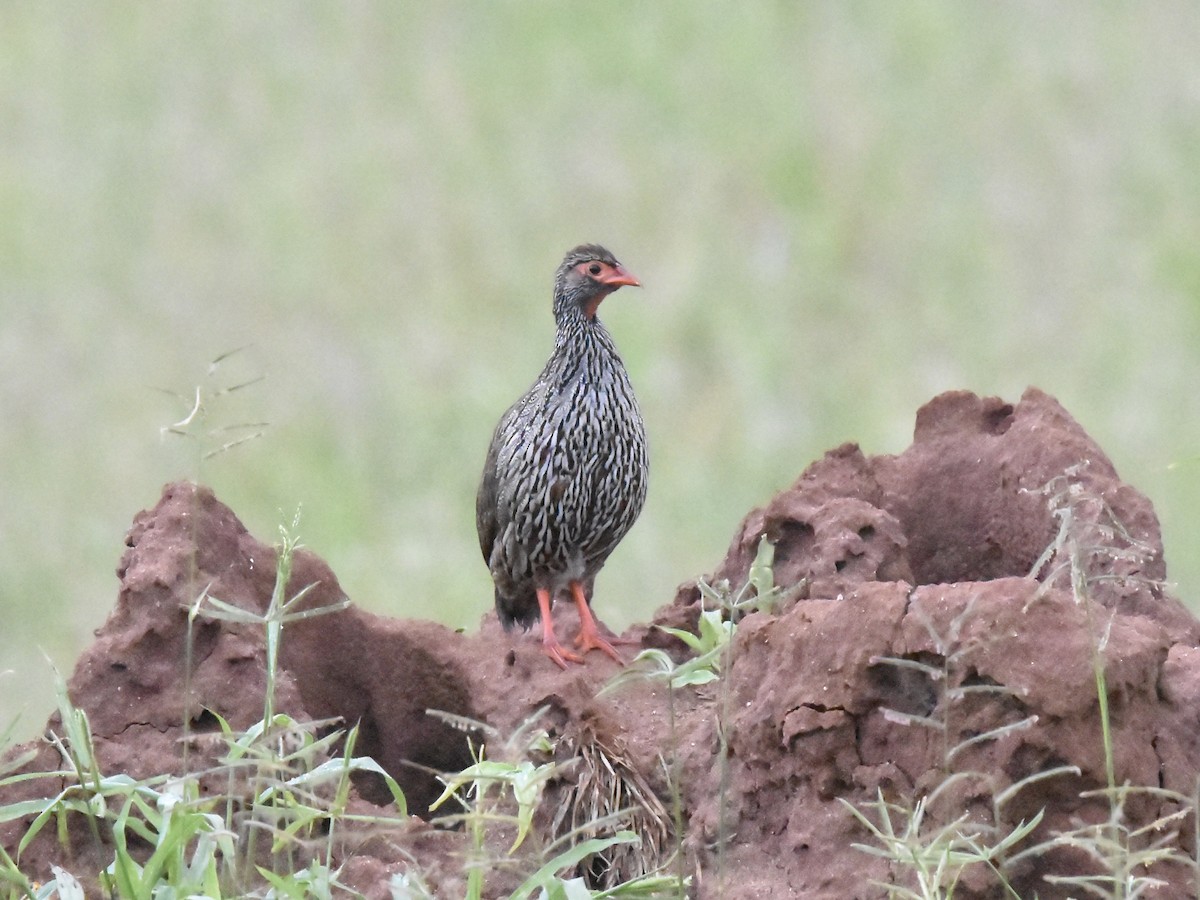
(594, 269)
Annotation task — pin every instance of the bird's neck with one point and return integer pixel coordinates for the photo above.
(582, 342)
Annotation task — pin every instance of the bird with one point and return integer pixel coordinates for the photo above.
(567, 470)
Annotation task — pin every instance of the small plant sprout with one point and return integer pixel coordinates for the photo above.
(523, 780)
(280, 610)
(720, 610)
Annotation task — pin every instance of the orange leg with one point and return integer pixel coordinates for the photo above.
(589, 637)
(550, 645)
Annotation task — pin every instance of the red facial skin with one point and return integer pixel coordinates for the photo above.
(610, 277)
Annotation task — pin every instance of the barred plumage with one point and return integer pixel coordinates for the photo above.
(565, 476)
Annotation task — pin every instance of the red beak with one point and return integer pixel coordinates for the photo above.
(620, 277)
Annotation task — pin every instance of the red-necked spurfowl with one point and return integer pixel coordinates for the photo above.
(565, 476)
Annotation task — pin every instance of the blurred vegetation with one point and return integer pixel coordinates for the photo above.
(837, 211)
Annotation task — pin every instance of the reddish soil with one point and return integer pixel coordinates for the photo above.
(924, 557)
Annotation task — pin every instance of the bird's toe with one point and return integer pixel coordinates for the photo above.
(560, 654)
(591, 639)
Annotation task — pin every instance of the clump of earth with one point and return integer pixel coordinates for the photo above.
(933, 639)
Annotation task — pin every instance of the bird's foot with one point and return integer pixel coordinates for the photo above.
(560, 654)
(591, 639)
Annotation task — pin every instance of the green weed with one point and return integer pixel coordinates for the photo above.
(935, 852)
(171, 839)
(1091, 548)
(721, 608)
(498, 797)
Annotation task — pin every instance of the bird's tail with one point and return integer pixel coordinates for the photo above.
(520, 609)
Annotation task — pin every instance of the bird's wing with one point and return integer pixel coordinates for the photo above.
(490, 519)
(485, 501)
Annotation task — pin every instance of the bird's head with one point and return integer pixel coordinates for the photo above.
(588, 274)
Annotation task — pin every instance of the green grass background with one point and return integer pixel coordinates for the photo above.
(837, 211)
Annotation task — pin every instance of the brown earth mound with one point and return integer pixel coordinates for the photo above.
(926, 646)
